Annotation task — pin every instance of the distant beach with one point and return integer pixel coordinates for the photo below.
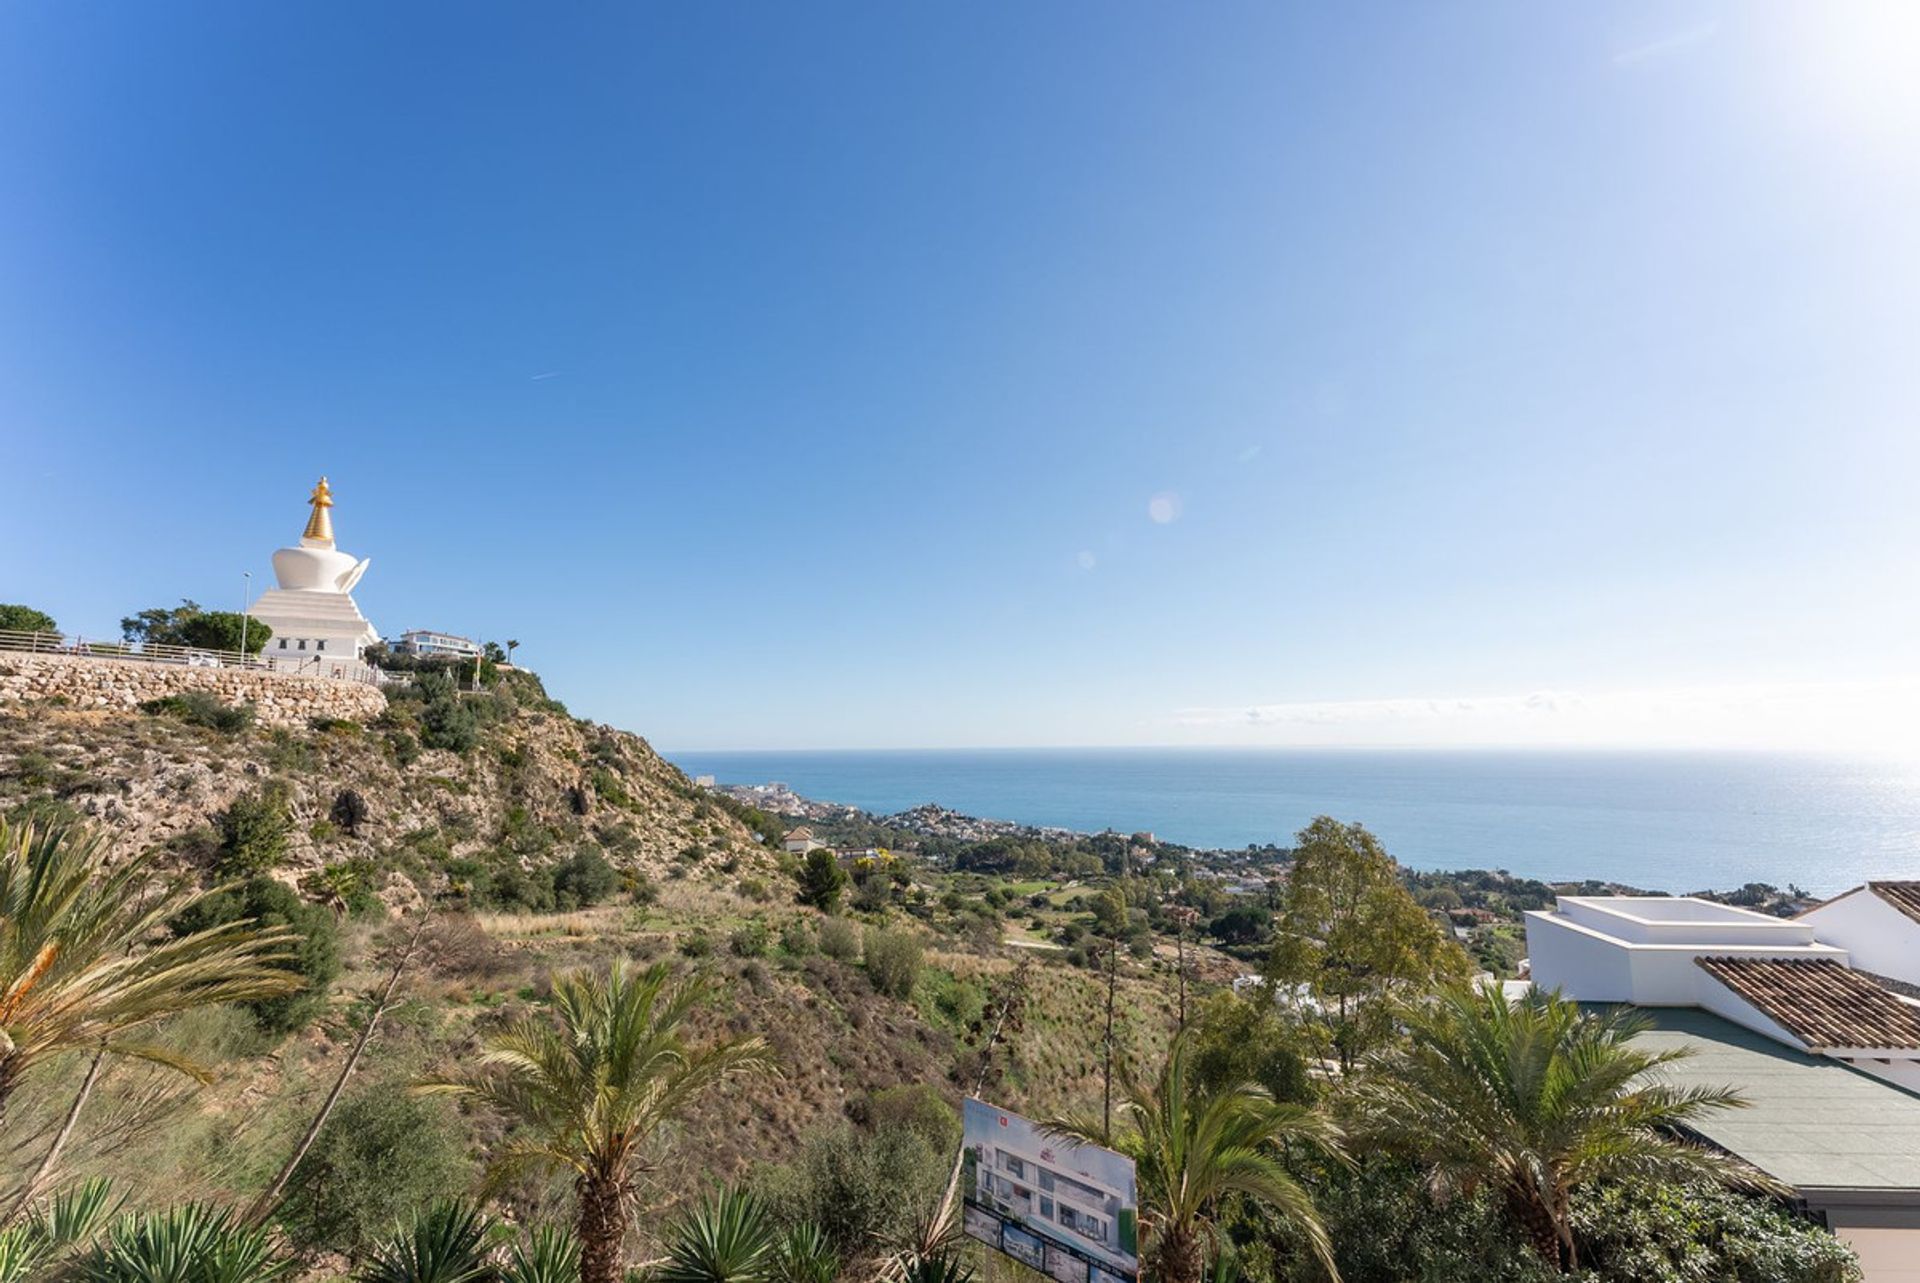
(1671, 821)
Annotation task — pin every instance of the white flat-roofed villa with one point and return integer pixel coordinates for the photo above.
(424, 641)
(1826, 1052)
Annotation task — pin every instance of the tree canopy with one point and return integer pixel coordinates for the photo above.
(15, 618)
(190, 624)
(1347, 933)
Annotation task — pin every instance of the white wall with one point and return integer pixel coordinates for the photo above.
(1580, 963)
(1722, 1001)
(1591, 966)
(1903, 1073)
(1880, 938)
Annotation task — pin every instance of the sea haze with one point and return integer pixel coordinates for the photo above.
(1664, 821)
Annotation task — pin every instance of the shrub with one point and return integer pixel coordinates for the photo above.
(253, 833)
(696, 944)
(445, 721)
(857, 1185)
(749, 940)
(201, 708)
(644, 891)
(585, 878)
(1650, 1232)
(840, 939)
(384, 1155)
(822, 880)
(892, 960)
(189, 1243)
(796, 939)
(316, 957)
(915, 1107)
(754, 889)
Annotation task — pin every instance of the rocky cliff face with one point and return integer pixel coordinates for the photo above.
(535, 787)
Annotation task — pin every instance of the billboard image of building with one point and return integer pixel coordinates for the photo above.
(1065, 1209)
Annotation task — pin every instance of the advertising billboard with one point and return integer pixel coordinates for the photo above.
(1066, 1209)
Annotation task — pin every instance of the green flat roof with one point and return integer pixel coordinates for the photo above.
(1814, 1122)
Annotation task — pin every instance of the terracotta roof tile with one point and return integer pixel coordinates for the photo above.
(1904, 896)
(1820, 1001)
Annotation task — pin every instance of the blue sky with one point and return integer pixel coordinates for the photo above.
(874, 375)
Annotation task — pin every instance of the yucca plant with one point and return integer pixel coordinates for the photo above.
(450, 1242)
(85, 958)
(727, 1238)
(803, 1255)
(592, 1086)
(29, 1248)
(937, 1267)
(548, 1255)
(190, 1243)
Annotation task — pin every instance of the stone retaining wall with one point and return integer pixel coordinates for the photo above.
(278, 699)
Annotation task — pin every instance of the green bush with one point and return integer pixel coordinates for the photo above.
(754, 889)
(822, 880)
(749, 940)
(316, 956)
(1649, 1232)
(859, 1186)
(893, 961)
(253, 833)
(201, 708)
(583, 879)
(796, 939)
(696, 944)
(446, 721)
(15, 618)
(840, 939)
(383, 1156)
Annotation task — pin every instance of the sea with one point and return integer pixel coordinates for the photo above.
(1664, 821)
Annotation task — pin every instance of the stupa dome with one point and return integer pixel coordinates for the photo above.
(316, 565)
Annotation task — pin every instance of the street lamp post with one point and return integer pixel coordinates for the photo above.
(246, 599)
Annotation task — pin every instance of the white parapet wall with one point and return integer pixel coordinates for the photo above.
(1640, 949)
(94, 682)
(1881, 938)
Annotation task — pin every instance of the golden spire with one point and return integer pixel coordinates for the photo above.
(320, 524)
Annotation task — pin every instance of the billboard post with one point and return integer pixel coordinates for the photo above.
(1068, 1210)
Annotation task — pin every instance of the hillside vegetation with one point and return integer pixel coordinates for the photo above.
(450, 930)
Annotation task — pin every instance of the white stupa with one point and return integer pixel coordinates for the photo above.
(314, 620)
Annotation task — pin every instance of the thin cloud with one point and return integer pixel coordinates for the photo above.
(545, 374)
(1667, 46)
(1864, 716)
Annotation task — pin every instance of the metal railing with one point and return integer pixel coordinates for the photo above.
(306, 665)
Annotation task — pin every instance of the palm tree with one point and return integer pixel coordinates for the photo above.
(1193, 1145)
(1534, 1099)
(85, 957)
(594, 1088)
